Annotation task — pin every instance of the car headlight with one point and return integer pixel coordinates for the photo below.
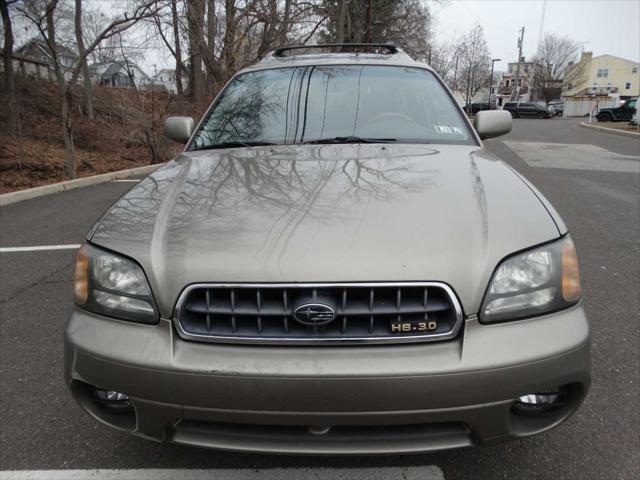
(539, 281)
(111, 285)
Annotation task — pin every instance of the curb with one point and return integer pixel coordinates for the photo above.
(29, 193)
(610, 130)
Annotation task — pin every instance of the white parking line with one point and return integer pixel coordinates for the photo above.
(127, 180)
(39, 248)
(429, 472)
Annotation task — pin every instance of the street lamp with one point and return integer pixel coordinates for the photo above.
(491, 79)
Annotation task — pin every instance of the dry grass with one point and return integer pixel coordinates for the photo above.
(115, 140)
(624, 126)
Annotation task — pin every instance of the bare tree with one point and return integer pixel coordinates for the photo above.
(195, 20)
(43, 16)
(7, 52)
(443, 58)
(169, 29)
(551, 66)
(475, 62)
(87, 94)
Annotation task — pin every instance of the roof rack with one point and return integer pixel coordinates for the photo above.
(367, 47)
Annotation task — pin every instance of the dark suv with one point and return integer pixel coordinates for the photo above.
(527, 109)
(619, 114)
(476, 107)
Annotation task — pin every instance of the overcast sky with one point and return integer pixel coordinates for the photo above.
(601, 26)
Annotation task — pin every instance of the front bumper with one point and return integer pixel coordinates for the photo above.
(396, 398)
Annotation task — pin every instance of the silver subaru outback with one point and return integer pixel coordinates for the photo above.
(334, 265)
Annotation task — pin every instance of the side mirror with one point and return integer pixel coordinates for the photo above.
(178, 129)
(492, 123)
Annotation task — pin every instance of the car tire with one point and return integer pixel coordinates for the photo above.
(605, 117)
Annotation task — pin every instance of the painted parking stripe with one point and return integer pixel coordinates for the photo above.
(136, 180)
(39, 248)
(430, 472)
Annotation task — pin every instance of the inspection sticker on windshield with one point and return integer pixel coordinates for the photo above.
(448, 130)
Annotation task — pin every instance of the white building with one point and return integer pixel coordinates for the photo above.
(120, 74)
(166, 78)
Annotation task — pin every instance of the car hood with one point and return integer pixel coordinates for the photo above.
(326, 213)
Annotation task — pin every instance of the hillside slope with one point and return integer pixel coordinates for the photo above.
(126, 133)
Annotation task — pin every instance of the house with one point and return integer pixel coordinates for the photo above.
(38, 51)
(166, 79)
(121, 73)
(28, 67)
(508, 83)
(603, 75)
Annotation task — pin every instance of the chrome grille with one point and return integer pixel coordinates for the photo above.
(364, 312)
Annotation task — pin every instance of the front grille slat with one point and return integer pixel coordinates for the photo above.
(255, 313)
(207, 297)
(233, 307)
(285, 318)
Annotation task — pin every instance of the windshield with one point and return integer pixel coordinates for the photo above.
(327, 104)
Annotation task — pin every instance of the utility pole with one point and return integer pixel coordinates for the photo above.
(491, 79)
(514, 93)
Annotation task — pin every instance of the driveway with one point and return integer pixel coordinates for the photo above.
(592, 178)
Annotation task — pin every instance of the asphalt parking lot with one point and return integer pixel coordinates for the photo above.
(593, 180)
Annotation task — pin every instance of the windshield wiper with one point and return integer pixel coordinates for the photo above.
(233, 144)
(350, 139)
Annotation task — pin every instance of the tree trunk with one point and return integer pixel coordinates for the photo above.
(9, 79)
(229, 36)
(211, 42)
(67, 98)
(87, 93)
(340, 19)
(67, 101)
(195, 18)
(285, 25)
(178, 49)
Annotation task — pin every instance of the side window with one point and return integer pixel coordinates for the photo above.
(632, 103)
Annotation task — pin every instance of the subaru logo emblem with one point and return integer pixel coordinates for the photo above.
(314, 314)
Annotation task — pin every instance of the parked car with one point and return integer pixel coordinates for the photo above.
(527, 109)
(622, 113)
(476, 107)
(556, 108)
(334, 265)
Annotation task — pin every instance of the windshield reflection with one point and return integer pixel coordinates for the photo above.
(230, 195)
(339, 104)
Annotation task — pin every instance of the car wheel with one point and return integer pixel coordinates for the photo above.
(605, 117)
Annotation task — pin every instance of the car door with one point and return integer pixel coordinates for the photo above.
(527, 109)
(628, 109)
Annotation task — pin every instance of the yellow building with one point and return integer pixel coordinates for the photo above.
(603, 75)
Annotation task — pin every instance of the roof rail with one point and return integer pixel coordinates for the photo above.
(366, 47)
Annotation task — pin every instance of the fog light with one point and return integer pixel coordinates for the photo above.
(112, 399)
(539, 402)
